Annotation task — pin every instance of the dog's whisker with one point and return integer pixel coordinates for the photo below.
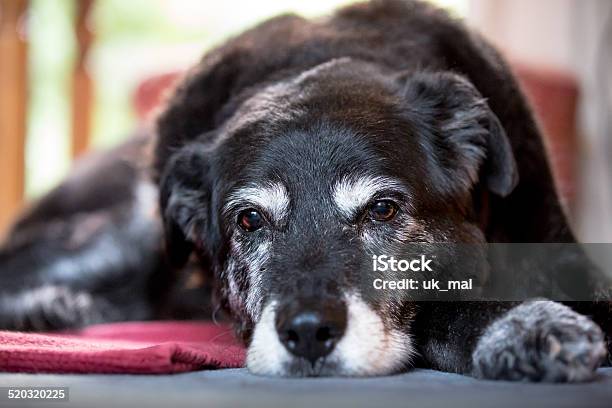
(225, 333)
(216, 310)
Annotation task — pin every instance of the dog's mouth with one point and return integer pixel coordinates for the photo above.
(305, 338)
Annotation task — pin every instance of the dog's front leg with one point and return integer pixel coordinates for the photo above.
(537, 340)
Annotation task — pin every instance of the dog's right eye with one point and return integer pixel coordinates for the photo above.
(383, 210)
(250, 220)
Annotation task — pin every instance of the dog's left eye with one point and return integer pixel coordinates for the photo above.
(382, 210)
(250, 220)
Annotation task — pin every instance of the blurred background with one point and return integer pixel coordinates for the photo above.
(77, 75)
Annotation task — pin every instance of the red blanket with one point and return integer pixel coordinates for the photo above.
(123, 348)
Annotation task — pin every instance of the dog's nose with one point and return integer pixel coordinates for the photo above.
(311, 329)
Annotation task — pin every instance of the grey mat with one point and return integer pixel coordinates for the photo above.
(232, 388)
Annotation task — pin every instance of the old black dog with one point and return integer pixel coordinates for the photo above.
(284, 161)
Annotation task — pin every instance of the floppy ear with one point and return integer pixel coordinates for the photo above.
(184, 204)
(467, 140)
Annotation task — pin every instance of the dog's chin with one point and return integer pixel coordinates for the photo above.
(366, 349)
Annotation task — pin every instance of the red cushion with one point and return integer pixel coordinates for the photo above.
(123, 348)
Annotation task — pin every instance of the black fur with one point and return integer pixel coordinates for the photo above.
(386, 87)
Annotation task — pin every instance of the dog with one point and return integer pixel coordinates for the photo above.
(281, 164)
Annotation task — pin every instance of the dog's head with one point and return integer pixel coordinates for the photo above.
(288, 198)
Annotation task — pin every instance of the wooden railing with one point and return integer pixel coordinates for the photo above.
(82, 88)
(13, 101)
(14, 94)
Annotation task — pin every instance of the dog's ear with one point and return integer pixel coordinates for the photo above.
(466, 138)
(184, 203)
(191, 108)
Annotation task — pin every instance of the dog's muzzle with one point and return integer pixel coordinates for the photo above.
(310, 328)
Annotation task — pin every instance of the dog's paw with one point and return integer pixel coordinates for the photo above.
(48, 308)
(540, 341)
